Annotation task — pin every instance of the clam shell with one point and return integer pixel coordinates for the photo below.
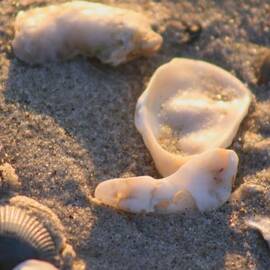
(204, 183)
(22, 237)
(189, 107)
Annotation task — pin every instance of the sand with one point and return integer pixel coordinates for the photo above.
(66, 127)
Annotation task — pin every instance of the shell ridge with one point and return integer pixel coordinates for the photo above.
(16, 223)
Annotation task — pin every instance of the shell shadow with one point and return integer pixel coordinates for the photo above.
(188, 242)
(93, 103)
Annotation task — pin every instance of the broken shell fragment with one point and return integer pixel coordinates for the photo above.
(34, 265)
(8, 176)
(246, 191)
(202, 183)
(189, 107)
(262, 224)
(22, 237)
(56, 32)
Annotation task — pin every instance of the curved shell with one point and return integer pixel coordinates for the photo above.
(202, 183)
(189, 107)
(34, 265)
(114, 35)
(23, 237)
(262, 224)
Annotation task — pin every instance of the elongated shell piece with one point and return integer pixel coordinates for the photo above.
(204, 183)
(22, 237)
(34, 265)
(189, 107)
(56, 32)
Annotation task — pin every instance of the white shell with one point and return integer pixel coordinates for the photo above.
(189, 107)
(203, 183)
(114, 35)
(34, 265)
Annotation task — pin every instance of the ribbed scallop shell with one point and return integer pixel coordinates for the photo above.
(28, 235)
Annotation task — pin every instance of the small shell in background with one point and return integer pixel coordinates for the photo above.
(35, 265)
(57, 32)
(204, 183)
(23, 237)
(262, 224)
(8, 176)
(189, 107)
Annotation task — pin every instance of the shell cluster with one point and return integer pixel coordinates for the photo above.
(57, 32)
(189, 112)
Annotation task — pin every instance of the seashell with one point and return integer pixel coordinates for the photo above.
(263, 76)
(22, 237)
(262, 224)
(204, 183)
(246, 191)
(34, 265)
(189, 107)
(56, 32)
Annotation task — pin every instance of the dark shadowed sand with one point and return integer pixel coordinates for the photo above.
(66, 127)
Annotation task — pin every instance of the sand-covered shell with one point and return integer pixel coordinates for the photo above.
(34, 265)
(23, 237)
(189, 107)
(204, 183)
(56, 32)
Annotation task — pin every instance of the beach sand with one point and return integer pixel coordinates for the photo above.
(65, 127)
